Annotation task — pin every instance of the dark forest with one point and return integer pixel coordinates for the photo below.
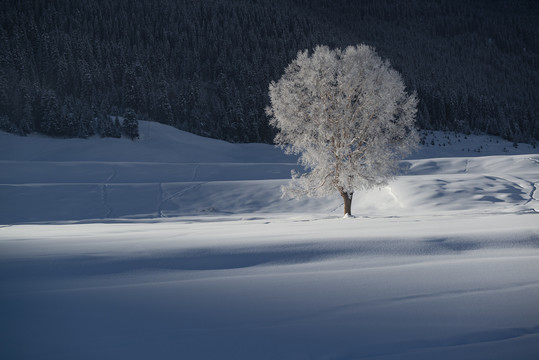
(79, 68)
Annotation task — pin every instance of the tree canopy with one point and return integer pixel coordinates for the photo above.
(348, 115)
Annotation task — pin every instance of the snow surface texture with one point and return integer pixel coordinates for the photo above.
(176, 246)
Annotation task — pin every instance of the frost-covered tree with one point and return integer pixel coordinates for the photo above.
(348, 115)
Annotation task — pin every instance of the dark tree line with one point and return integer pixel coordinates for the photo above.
(77, 68)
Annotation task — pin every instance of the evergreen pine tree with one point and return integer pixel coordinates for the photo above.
(130, 124)
(116, 128)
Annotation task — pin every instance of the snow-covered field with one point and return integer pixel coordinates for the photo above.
(180, 247)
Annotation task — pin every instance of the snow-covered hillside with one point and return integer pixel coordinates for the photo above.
(176, 246)
(169, 173)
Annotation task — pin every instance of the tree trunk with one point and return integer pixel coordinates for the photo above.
(347, 197)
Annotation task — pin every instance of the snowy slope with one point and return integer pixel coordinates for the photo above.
(44, 179)
(176, 246)
(169, 173)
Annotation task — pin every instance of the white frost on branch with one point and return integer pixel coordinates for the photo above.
(347, 114)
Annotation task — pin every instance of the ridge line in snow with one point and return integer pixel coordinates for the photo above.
(182, 163)
(532, 194)
(195, 172)
(112, 175)
(184, 190)
(534, 160)
(98, 183)
(160, 205)
(466, 166)
(104, 199)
